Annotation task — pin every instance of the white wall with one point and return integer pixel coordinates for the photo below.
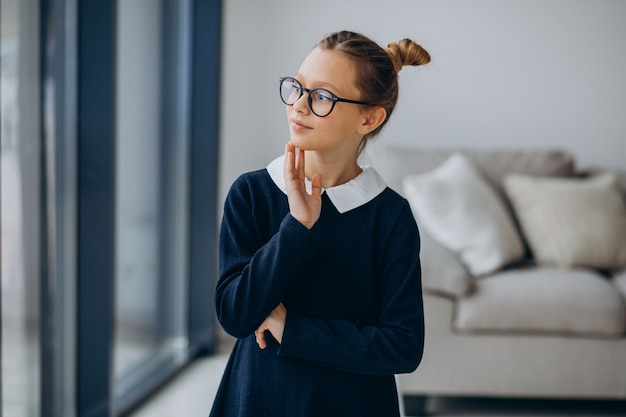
(510, 74)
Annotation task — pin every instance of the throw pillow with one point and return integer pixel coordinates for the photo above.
(458, 208)
(452, 281)
(619, 280)
(571, 221)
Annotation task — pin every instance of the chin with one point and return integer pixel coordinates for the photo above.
(300, 143)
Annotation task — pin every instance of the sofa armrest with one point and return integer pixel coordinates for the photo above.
(442, 273)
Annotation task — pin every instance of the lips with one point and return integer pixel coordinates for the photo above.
(298, 125)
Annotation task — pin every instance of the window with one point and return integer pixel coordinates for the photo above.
(109, 156)
(20, 199)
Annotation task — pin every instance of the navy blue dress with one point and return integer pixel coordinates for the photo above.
(352, 289)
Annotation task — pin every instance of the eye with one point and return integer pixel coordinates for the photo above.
(293, 85)
(323, 95)
(290, 90)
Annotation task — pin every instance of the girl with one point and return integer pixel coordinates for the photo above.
(319, 275)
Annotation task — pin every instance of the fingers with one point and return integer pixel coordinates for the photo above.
(304, 207)
(260, 338)
(316, 185)
(274, 323)
(294, 166)
(294, 163)
(290, 162)
(300, 165)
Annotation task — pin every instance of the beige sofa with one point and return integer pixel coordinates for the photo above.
(535, 326)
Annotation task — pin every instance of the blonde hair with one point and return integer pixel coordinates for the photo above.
(406, 52)
(376, 68)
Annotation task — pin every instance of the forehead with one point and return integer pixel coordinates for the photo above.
(328, 69)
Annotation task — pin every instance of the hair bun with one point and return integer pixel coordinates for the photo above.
(406, 52)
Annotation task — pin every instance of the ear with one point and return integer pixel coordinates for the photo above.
(374, 117)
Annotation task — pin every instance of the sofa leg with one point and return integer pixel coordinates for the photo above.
(415, 405)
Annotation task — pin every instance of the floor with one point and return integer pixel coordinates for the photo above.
(191, 394)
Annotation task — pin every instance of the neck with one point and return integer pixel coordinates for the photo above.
(334, 171)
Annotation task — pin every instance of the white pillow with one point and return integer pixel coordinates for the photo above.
(462, 212)
(571, 221)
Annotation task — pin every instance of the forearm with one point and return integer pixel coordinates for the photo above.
(251, 287)
(348, 346)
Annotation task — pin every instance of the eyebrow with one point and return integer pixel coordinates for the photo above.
(323, 84)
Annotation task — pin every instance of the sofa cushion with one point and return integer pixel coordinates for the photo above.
(567, 301)
(571, 222)
(460, 210)
(453, 280)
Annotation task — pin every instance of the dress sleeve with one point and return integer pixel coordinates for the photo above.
(254, 275)
(392, 345)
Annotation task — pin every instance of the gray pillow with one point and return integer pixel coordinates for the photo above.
(571, 221)
(442, 273)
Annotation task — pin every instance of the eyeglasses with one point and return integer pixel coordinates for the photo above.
(321, 101)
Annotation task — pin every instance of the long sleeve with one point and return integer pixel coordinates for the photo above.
(352, 289)
(394, 344)
(254, 275)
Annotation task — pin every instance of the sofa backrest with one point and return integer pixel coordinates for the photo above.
(394, 163)
(621, 176)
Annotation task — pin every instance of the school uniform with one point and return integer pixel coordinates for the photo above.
(352, 289)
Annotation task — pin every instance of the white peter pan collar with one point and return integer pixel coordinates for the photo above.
(355, 193)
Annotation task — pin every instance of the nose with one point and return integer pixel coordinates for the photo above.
(302, 104)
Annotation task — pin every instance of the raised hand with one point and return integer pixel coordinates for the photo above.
(275, 323)
(304, 207)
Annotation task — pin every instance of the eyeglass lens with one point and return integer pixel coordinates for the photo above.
(320, 100)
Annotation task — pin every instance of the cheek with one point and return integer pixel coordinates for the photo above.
(332, 134)
(341, 126)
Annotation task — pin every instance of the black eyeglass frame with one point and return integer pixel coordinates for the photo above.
(310, 97)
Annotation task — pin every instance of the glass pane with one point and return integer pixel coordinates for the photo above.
(20, 207)
(138, 164)
(149, 319)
